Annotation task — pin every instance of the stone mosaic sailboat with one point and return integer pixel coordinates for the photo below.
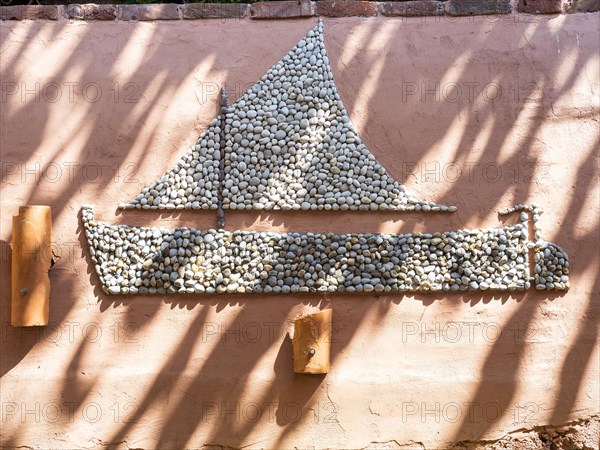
(286, 144)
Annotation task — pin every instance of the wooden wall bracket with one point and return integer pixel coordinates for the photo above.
(31, 261)
(312, 343)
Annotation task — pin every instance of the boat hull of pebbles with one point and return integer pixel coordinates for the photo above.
(152, 260)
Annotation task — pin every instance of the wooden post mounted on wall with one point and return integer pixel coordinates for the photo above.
(31, 260)
(312, 343)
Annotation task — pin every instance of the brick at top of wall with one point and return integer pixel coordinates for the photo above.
(575, 6)
(30, 12)
(345, 8)
(91, 11)
(414, 8)
(165, 11)
(540, 6)
(194, 11)
(282, 9)
(478, 7)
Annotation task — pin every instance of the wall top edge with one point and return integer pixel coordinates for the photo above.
(293, 9)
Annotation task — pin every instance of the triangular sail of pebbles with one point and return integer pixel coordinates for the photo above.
(193, 182)
(289, 145)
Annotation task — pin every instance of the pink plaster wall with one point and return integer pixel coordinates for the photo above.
(152, 372)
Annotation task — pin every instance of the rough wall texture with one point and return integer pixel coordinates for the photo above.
(481, 112)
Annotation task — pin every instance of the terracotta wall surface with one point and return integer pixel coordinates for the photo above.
(482, 112)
